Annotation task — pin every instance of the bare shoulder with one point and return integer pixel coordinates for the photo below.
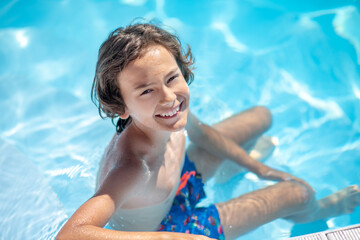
(117, 154)
(122, 181)
(120, 170)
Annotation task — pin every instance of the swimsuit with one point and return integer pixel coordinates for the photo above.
(184, 216)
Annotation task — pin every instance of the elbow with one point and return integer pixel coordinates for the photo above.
(61, 236)
(65, 233)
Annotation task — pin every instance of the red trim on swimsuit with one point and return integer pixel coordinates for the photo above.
(184, 179)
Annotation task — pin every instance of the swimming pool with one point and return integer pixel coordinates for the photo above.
(302, 60)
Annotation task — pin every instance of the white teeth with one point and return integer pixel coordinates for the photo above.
(169, 114)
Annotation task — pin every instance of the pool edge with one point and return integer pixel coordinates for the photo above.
(351, 232)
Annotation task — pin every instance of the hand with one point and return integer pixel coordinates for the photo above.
(276, 175)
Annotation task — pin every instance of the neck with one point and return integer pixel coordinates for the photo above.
(152, 136)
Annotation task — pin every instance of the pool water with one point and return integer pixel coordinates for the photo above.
(300, 59)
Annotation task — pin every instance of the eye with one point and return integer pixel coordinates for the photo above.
(172, 78)
(146, 91)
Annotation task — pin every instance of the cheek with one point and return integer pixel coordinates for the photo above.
(187, 92)
(142, 108)
(184, 88)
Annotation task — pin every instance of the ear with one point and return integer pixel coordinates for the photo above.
(125, 115)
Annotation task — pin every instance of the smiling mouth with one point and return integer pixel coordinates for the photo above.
(171, 114)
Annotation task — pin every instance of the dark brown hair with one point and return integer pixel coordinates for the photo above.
(123, 46)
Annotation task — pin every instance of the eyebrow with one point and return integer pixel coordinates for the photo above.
(145, 85)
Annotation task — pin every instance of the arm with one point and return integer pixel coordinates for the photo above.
(88, 221)
(219, 145)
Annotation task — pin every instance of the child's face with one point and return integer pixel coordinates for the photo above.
(154, 91)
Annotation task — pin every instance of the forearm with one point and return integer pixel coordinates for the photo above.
(89, 232)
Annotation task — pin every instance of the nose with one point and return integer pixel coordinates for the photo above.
(168, 97)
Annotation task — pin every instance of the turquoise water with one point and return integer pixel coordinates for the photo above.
(301, 59)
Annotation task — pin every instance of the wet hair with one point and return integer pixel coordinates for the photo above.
(122, 46)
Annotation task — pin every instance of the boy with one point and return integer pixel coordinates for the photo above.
(148, 184)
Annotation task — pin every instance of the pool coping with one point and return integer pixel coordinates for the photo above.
(346, 233)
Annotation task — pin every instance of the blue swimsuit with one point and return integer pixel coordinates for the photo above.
(184, 216)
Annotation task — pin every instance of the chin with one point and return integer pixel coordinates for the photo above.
(182, 122)
(180, 128)
(180, 125)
